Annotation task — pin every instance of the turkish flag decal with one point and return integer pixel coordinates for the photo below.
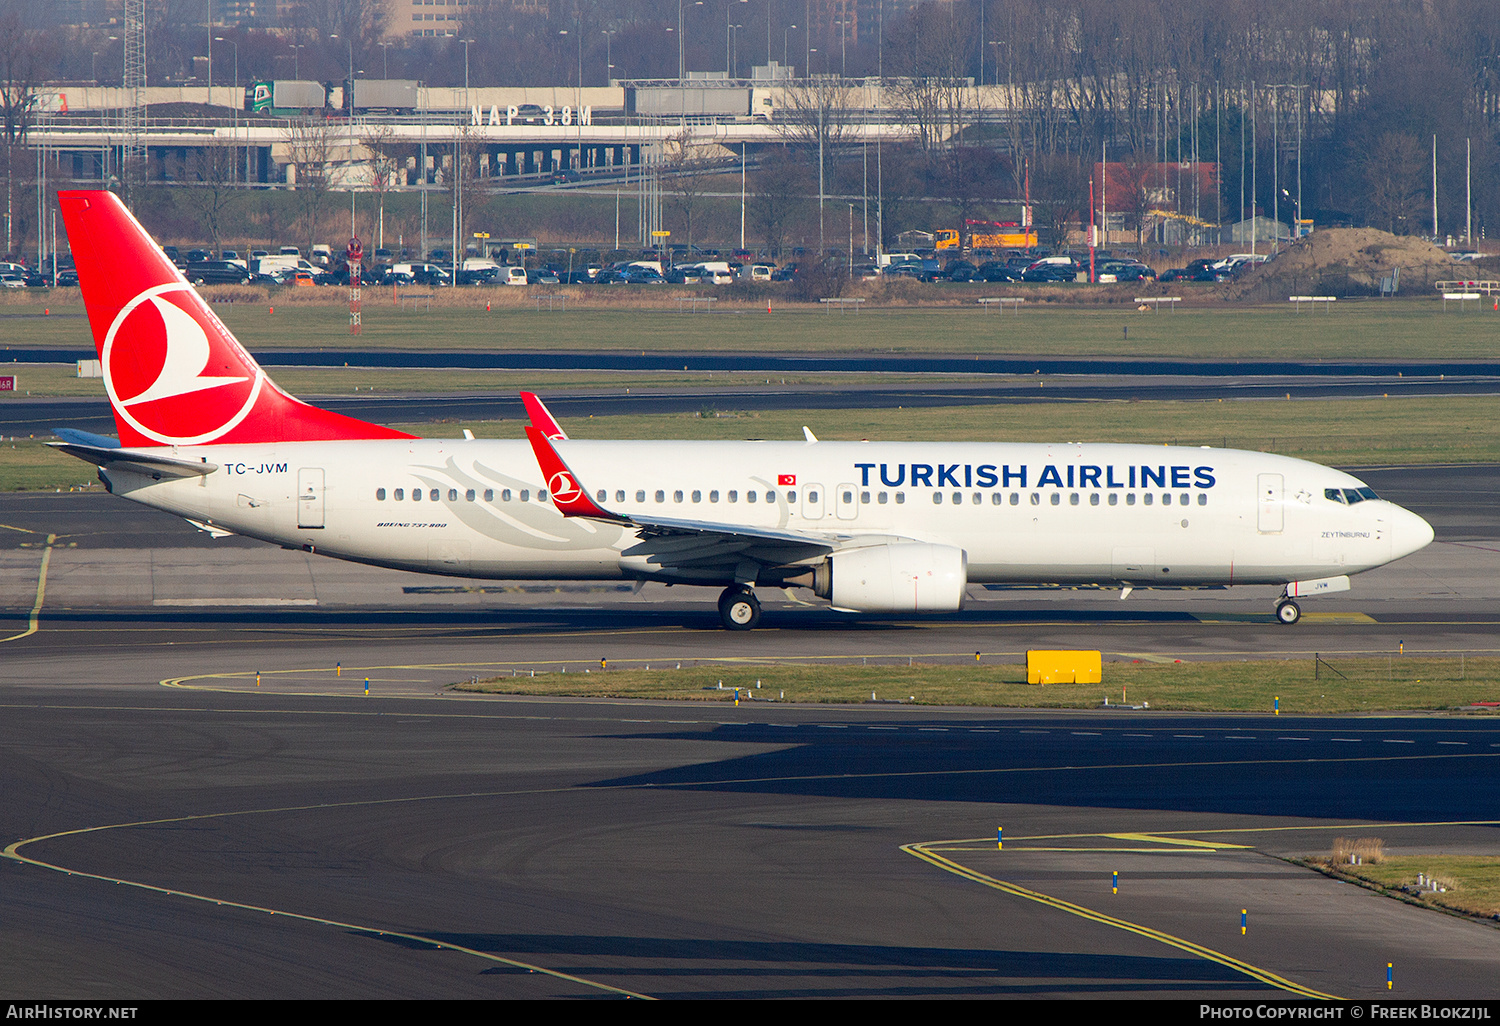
(786, 480)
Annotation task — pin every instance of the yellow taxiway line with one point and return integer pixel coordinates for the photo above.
(13, 851)
(41, 594)
(927, 853)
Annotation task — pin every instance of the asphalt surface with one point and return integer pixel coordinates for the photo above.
(291, 837)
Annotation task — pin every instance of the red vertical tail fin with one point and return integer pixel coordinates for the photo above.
(174, 373)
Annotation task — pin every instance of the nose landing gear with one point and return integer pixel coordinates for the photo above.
(739, 610)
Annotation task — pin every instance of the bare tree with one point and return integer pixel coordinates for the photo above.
(24, 64)
(815, 114)
(387, 158)
(781, 187)
(212, 170)
(1394, 181)
(686, 169)
(310, 144)
(1061, 183)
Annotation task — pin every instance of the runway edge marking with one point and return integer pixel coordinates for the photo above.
(921, 851)
(12, 851)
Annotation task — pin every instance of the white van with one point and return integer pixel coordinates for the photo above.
(887, 259)
(710, 272)
(513, 276)
(756, 272)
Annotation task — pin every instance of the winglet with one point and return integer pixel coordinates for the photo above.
(571, 498)
(542, 418)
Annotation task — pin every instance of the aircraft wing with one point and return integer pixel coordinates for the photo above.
(664, 534)
(680, 543)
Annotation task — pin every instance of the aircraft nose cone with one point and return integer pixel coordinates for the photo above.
(1409, 533)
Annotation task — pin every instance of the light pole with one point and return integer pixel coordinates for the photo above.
(784, 51)
(609, 67)
(349, 89)
(235, 110)
(843, 49)
(729, 61)
(210, 26)
(385, 59)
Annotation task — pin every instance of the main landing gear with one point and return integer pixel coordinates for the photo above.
(739, 610)
(1287, 611)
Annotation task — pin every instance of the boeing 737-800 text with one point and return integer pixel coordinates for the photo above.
(871, 526)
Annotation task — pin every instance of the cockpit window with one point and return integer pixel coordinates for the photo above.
(1349, 496)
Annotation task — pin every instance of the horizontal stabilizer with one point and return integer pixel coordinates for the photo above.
(139, 462)
(78, 437)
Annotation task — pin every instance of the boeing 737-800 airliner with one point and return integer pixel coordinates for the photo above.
(870, 526)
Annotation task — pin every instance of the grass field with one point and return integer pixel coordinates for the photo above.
(1348, 431)
(1421, 683)
(1471, 883)
(605, 319)
(55, 379)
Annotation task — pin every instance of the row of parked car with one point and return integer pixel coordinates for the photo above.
(1013, 269)
(1225, 269)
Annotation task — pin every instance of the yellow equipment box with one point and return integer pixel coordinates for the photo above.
(1064, 667)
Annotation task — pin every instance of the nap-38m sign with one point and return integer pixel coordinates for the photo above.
(583, 116)
(988, 475)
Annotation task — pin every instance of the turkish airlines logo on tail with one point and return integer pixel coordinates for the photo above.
(564, 488)
(167, 377)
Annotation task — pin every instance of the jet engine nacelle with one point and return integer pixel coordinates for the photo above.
(905, 577)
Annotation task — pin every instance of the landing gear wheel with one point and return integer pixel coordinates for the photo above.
(1288, 612)
(739, 610)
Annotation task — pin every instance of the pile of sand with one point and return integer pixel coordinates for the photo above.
(1347, 262)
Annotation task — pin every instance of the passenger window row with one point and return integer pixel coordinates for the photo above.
(696, 495)
(470, 495)
(1348, 495)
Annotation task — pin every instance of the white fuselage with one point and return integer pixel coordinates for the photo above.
(1070, 513)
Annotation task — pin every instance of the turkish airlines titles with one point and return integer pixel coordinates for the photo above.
(988, 475)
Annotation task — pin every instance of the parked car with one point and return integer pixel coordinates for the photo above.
(960, 271)
(542, 276)
(479, 276)
(1051, 269)
(995, 271)
(1117, 270)
(216, 272)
